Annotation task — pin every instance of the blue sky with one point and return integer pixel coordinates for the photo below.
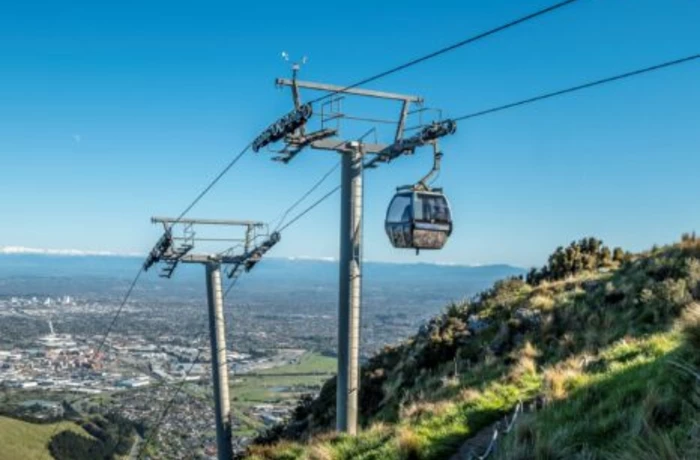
(112, 113)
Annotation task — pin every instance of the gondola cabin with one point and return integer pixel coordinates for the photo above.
(418, 219)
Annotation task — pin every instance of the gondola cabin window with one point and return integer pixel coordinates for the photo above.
(431, 208)
(400, 210)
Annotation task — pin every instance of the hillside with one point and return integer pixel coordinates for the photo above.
(19, 439)
(601, 346)
(75, 438)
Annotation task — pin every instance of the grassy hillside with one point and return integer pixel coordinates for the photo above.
(606, 344)
(20, 440)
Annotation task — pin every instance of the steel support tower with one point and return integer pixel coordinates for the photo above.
(350, 289)
(219, 365)
(173, 250)
(291, 128)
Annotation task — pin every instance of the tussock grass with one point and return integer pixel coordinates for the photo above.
(283, 450)
(541, 302)
(409, 443)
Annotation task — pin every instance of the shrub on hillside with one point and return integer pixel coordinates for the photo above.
(111, 435)
(586, 254)
(67, 445)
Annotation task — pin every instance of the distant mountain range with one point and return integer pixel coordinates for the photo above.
(22, 273)
(58, 263)
(15, 250)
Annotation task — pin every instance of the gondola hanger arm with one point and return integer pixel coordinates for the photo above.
(437, 157)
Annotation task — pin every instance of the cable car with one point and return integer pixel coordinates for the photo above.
(418, 218)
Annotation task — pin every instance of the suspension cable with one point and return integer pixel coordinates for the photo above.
(578, 87)
(280, 220)
(308, 209)
(449, 48)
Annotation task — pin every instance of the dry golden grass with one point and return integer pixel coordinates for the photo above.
(270, 452)
(409, 443)
(418, 409)
(556, 378)
(321, 451)
(469, 394)
(541, 302)
(525, 362)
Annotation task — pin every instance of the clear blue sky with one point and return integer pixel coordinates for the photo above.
(111, 113)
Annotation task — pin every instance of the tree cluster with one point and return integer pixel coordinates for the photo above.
(584, 255)
(689, 238)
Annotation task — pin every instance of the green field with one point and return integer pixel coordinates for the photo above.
(282, 383)
(309, 363)
(23, 440)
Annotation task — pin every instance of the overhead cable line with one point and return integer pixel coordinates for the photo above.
(578, 87)
(283, 216)
(391, 71)
(214, 181)
(119, 310)
(519, 103)
(307, 210)
(449, 48)
(281, 227)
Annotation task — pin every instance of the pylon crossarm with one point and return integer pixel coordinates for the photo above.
(336, 89)
(249, 259)
(427, 135)
(297, 142)
(174, 250)
(171, 221)
(296, 138)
